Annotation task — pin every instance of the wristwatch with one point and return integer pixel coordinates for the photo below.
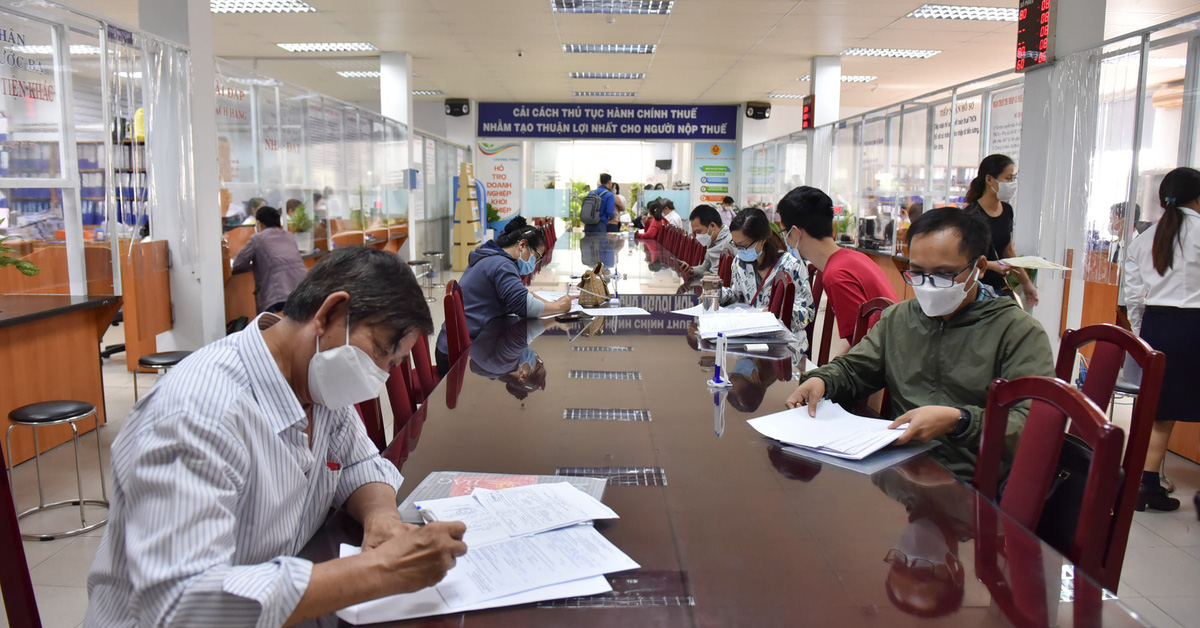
(963, 424)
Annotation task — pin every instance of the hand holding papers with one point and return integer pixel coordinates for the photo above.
(834, 431)
(524, 546)
(493, 516)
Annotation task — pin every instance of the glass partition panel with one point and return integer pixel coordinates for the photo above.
(874, 180)
(913, 161)
(795, 168)
(1113, 160)
(966, 132)
(843, 189)
(544, 203)
(91, 158)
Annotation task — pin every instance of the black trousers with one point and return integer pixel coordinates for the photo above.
(443, 362)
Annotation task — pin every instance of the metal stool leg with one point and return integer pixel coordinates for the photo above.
(100, 459)
(437, 266)
(37, 463)
(135, 390)
(78, 474)
(8, 442)
(429, 285)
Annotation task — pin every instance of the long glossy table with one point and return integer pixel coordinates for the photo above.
(730, 530)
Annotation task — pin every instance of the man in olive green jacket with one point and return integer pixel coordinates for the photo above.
(938, 353)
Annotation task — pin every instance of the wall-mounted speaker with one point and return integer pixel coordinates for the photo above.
(758, 110)
(458, 107)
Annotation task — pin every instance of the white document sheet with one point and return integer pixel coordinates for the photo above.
(524, 510)
(550, 295)
(695, 310)
(531, 562)
(615, 311)
(834, 431)
(1033, 261)
(734, 324)
(427, 602)
(483, 527)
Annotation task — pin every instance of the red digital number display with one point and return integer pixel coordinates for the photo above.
(806, 121)
(1035, 33)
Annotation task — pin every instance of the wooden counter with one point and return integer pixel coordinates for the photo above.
(50, 346)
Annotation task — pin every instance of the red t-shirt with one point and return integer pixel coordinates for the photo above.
(851, 279)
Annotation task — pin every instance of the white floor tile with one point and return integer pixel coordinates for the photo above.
(1151, 613)
(1185, 610)
(69, 567)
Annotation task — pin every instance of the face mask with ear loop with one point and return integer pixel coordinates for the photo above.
(935, 301)
(1005, 190)
(344, 375)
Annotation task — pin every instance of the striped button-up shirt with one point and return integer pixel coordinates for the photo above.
(215, 490)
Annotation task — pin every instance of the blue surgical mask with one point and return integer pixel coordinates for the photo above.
(528, 356)
(526, 266)
(748, 255)
(744, 367)
(793, 251)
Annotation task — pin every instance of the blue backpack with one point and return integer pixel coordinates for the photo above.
(591, 211)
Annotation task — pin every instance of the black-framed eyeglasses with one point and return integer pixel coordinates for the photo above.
(937, 280)
(743, 247)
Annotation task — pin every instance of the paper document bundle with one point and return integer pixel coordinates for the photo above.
(525, 544)
(833, 432)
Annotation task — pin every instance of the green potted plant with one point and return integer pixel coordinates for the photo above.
(301, 224)
(26, 267)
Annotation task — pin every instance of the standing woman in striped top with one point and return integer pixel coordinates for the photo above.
(1162, 292)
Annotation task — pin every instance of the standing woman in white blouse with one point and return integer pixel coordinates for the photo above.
(1162, 293)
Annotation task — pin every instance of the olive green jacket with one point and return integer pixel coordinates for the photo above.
(927, 361)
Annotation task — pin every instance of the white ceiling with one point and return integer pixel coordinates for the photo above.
(709, 51)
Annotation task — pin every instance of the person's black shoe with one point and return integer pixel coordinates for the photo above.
(1156, 499)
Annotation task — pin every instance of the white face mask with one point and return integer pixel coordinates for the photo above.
(1006, 190)
(343, 376)
(942, 301)
(704, 239)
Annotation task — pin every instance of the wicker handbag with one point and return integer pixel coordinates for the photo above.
(593, 292)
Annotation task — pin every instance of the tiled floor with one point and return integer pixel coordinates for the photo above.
(1161, 578)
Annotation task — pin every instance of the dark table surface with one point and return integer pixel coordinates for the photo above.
(16, 309)
(730, 530)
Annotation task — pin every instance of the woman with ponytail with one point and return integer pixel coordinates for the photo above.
(492, 287)
(761, 259)
(989, 194)
(1162, 293)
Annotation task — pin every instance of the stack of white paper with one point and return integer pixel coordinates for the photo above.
(552, 565)
(524, 545)
(493, 516)
(734, 324)
(833, 432)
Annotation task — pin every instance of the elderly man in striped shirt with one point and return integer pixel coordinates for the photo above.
(229, 465)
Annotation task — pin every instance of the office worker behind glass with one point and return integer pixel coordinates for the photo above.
(492, 286)
(990, 191)
(761, 259)
(274, 258)
(1162, 293)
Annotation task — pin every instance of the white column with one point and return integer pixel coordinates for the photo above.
(826, 76)
(396, 102)
(1058, 135)
(198, 287)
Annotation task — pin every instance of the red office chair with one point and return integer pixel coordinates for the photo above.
(457, 335)
(1035, 465)
(789, 302)
(1108, 357)
(868, 315)
(17, 588)
(371, 413)
(424, 372)
(818, 290)
(725, 269)
(778, 293)
(399, 397)
(701, 251)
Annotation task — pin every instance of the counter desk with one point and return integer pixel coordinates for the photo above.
(50, 348)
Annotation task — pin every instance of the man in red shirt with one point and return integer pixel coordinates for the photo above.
(850, 278)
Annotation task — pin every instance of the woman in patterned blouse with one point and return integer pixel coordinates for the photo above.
(762, 258)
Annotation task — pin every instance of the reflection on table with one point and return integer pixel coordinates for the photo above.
(729, 529)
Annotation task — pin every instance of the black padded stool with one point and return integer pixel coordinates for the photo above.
(424, 270)
(45, 414)
(161, 362)
(435, 258)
